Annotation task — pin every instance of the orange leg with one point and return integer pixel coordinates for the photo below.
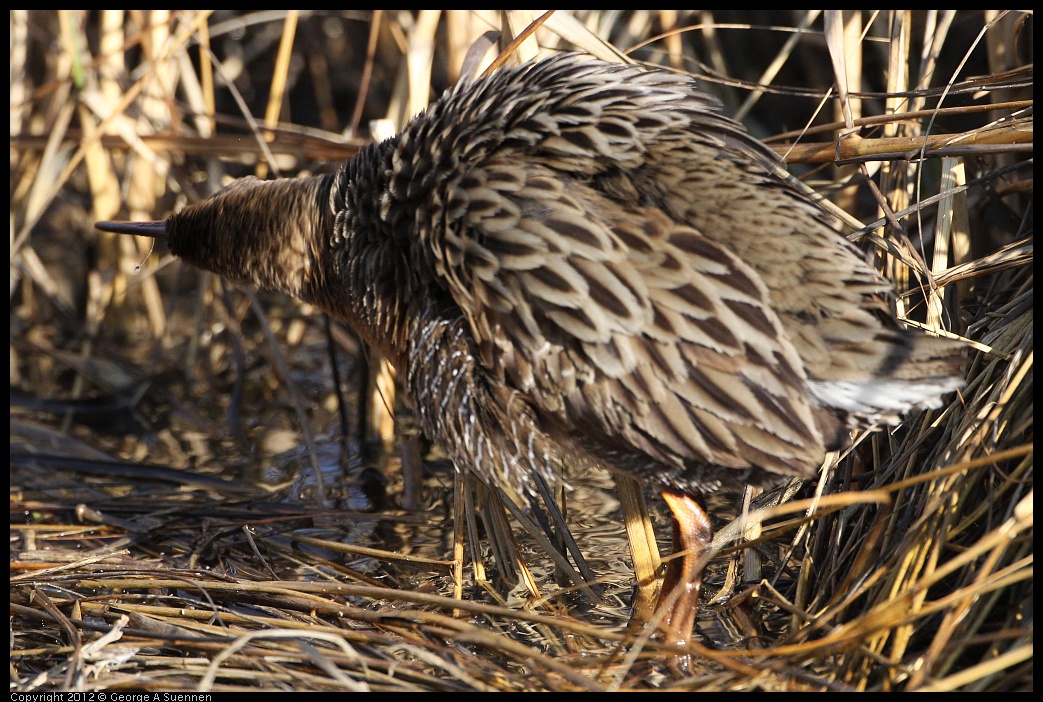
(680, 594)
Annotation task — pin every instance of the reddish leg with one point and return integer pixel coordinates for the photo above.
(680, 594)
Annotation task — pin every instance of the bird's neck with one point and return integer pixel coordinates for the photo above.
(371, 276)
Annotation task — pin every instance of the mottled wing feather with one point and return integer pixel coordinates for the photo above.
(627, 326)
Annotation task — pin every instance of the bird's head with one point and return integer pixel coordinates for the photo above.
(272, 234)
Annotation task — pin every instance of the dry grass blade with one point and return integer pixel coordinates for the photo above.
(186, 514)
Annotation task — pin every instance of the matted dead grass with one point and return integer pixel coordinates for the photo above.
(186, 513)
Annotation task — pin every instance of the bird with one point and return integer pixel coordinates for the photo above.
(578, 262)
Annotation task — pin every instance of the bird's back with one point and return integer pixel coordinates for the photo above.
(626, 259)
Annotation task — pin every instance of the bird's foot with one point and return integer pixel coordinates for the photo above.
(679, 598)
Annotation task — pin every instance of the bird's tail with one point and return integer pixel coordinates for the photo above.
(916, 374)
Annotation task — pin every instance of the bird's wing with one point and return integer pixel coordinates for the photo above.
(622, 324)
(650, 137)
(835, 309)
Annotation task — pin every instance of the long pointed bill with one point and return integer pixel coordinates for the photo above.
(154, 230)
